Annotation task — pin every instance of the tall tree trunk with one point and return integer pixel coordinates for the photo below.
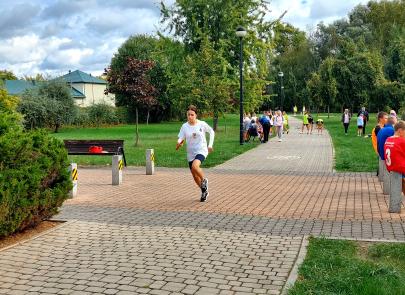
(225, 123)
(215, 122)
(147, 118)
(136, 128)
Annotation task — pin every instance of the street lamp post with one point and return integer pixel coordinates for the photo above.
(281, 74)
(241, 32)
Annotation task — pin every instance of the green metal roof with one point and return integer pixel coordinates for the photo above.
(16, 87)
(76, 93)
(81, 77)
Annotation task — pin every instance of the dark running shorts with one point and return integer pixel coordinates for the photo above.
(198, 157)
(360, 127)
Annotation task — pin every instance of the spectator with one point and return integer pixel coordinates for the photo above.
(360, 124)
(364, 112)
(319, 126)
(310, 122)
(383, 134)
(246, 124)
(286, 127)
(265, 122)
(278, 123)
(346, 120)
(394, 151)
(305, 122)
(382, 118)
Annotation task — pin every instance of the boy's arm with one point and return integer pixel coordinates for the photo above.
(180, 140)
(211, 131)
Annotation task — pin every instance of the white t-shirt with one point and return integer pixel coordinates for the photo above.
(195, 138)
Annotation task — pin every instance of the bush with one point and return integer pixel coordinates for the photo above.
(102, 114)
(34, 180)
(49, 105)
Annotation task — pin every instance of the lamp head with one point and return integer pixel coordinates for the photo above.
(241, 32)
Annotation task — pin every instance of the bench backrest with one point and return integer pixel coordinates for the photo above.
(82, 146)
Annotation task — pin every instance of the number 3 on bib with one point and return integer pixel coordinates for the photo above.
(388, 157)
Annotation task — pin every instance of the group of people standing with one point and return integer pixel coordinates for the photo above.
(265, 125)
(388, 139)
(362, 120)
(308, 122)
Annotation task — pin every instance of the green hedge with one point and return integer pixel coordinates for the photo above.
(34, 180)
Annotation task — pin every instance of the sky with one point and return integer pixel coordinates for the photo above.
(51, 37)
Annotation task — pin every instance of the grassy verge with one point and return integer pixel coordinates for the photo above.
(161, 137)
(352, 153)
(348, 267)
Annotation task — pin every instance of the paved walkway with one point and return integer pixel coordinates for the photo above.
(140, 238)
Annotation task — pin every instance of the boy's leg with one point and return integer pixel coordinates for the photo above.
(197, 172)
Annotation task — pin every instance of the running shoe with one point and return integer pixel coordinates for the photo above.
(204, 196)
(204, 185)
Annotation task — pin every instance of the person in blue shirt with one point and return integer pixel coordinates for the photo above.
(265, 122)
(383, 134)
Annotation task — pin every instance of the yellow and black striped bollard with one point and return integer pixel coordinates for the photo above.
(73, 176)
(117, 166)
(150, 162)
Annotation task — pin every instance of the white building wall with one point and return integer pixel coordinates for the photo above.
(94, 94)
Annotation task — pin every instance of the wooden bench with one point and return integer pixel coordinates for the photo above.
(81, 147)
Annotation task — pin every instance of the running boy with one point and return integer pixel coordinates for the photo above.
(193, 131)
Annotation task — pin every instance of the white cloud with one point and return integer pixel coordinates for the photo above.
(306, 14)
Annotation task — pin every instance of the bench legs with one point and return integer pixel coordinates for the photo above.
(117, 165)
(395, 192)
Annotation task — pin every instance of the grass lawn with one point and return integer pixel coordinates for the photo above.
(162, 138)
(348, 267)
(352, 153)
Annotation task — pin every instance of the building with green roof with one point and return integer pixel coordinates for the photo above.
(85, 89)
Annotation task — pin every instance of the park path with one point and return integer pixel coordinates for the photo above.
(151, 235)
(303, 153)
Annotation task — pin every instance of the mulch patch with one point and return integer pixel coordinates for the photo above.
(28, 233)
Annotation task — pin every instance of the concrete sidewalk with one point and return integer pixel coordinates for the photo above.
(151, 235)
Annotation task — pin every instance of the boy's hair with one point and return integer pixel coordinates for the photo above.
(381, 115)
(391, 121)
(192, 108)
(399, 125)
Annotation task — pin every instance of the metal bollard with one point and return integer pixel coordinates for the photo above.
(117, 165)
(150, 162)
(381, 165)
(73, 177)
(395, 192)
(386, 181)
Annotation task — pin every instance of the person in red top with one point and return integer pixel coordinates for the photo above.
(394, 151)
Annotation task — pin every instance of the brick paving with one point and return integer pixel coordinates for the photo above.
(151, 235)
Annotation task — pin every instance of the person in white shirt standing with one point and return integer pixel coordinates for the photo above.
(193, 132)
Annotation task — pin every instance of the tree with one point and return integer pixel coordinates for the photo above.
(314, 86)
(50, 105)
(194, 20)
(328, 85)
(144, 47)
(6, 75)
(133, 82)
